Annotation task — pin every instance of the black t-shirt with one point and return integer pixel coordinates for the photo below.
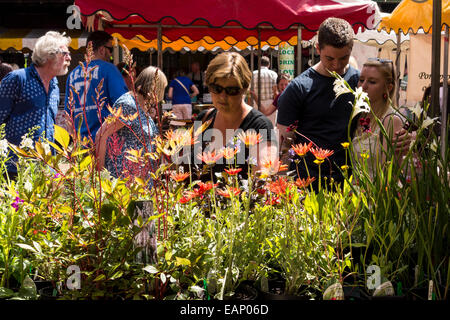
(254, 120)
(321, 117)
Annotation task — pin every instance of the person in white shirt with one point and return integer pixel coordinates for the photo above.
(268, 81)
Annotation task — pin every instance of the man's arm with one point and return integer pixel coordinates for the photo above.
(8, 90)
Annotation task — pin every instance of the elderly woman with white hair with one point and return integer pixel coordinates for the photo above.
(30, 97)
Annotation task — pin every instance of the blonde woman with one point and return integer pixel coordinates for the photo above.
(134, 129)
(377, 79)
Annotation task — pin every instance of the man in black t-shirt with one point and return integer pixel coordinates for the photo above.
(310, 102)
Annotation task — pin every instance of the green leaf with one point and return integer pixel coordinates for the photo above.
(27, 247)
(85, 163)
(6, 293)
(116, 275)
(163, 278)
(100, 277)
(62, 136)
(168, 255)
(150, 269)
(182, 261)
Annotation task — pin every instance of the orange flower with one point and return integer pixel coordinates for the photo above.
(203, 187)
(250, 137)
(210, 157)
(273, 201)
(303, 183)
(321, 154)
(233, 171)
(187, 196)
(229, 153)
(301, 149)
(227, 193)
(178, 177)
(270, 167)
(279, 186)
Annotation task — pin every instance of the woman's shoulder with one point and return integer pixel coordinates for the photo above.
(255, 119)
(209, 113)
(125, 98)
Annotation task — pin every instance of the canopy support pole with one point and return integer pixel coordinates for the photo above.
(397, 67)
(259, 70)
(252, 67)
(160, 53)
(436, 57)
(299, 50)
(444, 120)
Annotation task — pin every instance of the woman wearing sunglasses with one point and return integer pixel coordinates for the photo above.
(378, 80)
(228, 78)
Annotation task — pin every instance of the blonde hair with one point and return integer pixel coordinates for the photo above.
(386, 68)
(151, 81)
(48, 46)
(229, 65)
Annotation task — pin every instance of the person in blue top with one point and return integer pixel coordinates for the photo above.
(181, 91)
(310, 103)
(30, 97)
(134, 128)
(85, 103)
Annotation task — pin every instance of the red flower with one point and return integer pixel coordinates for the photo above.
(292, 127)
(279, 186)
(233, 171)
(321, 154)
(228, 192)
(365, 124)
(204, 187)
(302, 149)
(273, 201)
(187, 196)
(210, 157)
(178, 177)
(250, 137)
(261, 191)
(303, 183)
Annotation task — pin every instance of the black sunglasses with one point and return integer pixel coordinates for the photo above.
(109, 48)
(231, 91)
(385, 61)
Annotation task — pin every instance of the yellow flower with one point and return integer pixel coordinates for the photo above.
(344, 167)
(365, 155)
(317, 161)
(345, 145)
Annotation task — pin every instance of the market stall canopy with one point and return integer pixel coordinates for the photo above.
(19, 39)
(412, 15)
(229, 21)
(381, 39)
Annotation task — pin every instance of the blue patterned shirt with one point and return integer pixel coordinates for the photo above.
(24, 103)
(134, 135)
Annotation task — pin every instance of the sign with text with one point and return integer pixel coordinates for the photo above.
(286, 61)
(419, 66)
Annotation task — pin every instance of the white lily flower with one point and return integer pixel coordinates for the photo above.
(417, 110)
(427, 122)
(340, 87)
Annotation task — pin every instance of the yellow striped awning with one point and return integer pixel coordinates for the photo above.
(19, 39)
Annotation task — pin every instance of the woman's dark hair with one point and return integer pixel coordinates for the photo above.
(4, 70)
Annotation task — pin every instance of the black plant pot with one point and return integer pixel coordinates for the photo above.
(245, 291)
(48, 293)
(277, 292)
(40, 284)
